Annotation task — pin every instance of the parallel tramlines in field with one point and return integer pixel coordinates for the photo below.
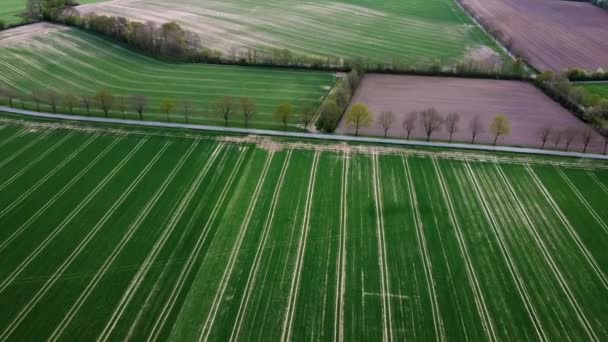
(185, 238)
(531, 255)
(567, 200)
(71, 61)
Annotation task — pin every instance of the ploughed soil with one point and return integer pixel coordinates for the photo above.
(549, 34)
(528, 108)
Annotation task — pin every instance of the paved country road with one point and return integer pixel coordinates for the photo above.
(330, 137)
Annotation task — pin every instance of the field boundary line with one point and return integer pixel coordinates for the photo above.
(506, 253)
(598, 182)
(187, 268)
(24, 312)
(426, 261)
(47, 176)
(134, 226)
(547, 255)
(27, 167)
(572, 232)
(301, 252)
(387, 324)
(252, 276)
(55, 197)
(219, 294)
(470, 269)
(341, 262)
(583, 200)
(314, 136)
(69, 218)
(22, 150)
(151, 257)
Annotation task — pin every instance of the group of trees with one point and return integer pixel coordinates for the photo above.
(337, 101)
(600, 3)
(589, 107)
(567, 136)
(430, 120)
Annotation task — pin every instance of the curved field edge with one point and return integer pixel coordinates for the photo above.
(43, 58)
(392, 30)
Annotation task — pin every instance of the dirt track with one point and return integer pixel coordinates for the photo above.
(526, 106)
(550, 34)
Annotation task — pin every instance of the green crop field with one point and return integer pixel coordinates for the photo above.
(11, 9)
(395, 30)
(115, 233)
(43, 57)
(600, 89)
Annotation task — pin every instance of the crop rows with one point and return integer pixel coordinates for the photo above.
(413, 31)
(74, 62)
(200, 237)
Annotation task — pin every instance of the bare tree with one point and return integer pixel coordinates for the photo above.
(87, 102)
(139, 103)
(476, 126)
(556, 137)
(105, 100)
(187, 108)
(70, 101)
(543, 135)
(432, 121)
(8, 94)
(52, 98)
(248, 109)
(409, 123)
(451, 123)
(569, 135)
(33, 10)
(121, 105)
(386, 121)
(587, 135)
(225, 107)
(307, 113)
(36, 97)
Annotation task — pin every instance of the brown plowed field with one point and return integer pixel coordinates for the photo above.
(549, 34)
(527, 107)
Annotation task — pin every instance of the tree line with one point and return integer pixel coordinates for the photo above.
(431, 121)
(589, 107)
(227, 108)
(170, 41)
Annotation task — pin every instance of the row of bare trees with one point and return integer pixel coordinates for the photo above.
(226, 107)
(567, 136)
(430, 120)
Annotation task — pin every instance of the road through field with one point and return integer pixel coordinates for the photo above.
(172, 235)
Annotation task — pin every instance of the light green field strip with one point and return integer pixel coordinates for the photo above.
(10, 9)
(71, 61)
(151, 237)
(599, 89)
(413, 31)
